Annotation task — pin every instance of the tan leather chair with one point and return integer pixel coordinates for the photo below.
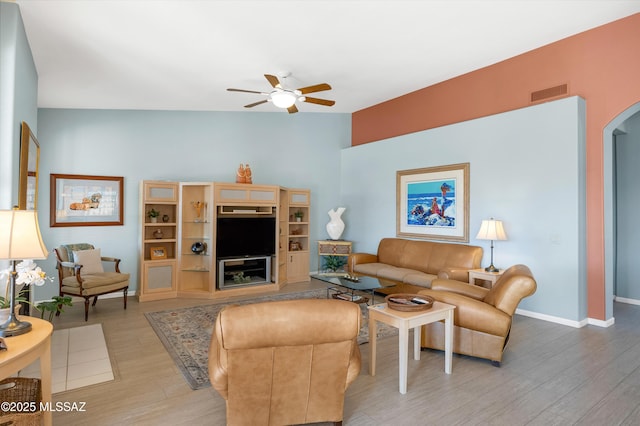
(87, 279)
(285, 362)
(482, 318)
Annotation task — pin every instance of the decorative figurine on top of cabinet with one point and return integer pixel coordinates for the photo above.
(241, 176)
(247, 174)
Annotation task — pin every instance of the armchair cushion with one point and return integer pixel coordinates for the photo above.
(96, 280)
(473, 314)
(90, 260)
(458, 287)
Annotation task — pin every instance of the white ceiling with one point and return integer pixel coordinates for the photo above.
(184, 54)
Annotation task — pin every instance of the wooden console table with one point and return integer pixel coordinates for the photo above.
(24, 349)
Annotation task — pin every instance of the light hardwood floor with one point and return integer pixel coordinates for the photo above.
(550, 375)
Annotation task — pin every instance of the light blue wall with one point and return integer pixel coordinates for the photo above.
(297, 151)
(18, 98)
(627, 147)
(527, 169)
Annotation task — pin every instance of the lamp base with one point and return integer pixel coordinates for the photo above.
(491, 268)
(14, 327)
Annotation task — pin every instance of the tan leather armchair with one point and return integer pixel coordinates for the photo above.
(482, 318)
(285, 362)
(84, 275)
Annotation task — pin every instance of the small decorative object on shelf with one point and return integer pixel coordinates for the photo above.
(294, 246)
(199, 247)
(165, 218)
(247, 174)
(158, 234)
(241, 176)
(199, 206)
(335, 227)
(298, 215)
(153, 215)
(239, 278)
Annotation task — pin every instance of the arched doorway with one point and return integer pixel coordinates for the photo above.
(610, 200)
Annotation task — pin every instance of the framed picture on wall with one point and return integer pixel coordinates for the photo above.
(29, 159)
(433, 203)
(83, 200)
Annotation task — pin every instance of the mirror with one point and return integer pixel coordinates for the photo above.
(29, 159)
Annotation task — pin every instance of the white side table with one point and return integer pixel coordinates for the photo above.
(481, 274)
(404, 321)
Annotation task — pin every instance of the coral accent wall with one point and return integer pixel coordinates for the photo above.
(601, 65)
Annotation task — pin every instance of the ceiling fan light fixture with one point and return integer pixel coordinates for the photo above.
(282, 99)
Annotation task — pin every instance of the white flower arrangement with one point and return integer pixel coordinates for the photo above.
(27, 273)
(30, 273)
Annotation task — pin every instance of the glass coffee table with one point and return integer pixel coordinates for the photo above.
(344, 287)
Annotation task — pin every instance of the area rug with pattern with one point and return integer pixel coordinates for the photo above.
(186, 332)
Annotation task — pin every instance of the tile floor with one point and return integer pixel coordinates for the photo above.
(79, 357)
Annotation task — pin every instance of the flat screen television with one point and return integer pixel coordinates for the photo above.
(246, 236)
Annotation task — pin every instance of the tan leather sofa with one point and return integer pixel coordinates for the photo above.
(285, 362)
(415, 264)
(483, 317)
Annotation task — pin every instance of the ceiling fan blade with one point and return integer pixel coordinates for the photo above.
(292, 109)
(256, 103)
(315, 88)
(324, 102)
(273, 80)
(246, 91)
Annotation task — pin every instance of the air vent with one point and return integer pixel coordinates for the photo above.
(551, 92)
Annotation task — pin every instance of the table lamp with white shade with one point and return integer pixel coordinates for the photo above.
(491, 230)
(19, 239)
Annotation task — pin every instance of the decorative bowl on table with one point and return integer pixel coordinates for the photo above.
(409, 302)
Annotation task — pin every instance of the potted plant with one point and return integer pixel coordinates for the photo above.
(298, 215)
(334, 263)
(153, 215)
(53, 306)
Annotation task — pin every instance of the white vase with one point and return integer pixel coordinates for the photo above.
(335, 227)
(4, 313)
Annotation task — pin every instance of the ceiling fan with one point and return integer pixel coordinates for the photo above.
(287, 98)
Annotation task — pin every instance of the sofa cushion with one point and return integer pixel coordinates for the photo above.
(393, 273)
(369, 268)
(419, 278)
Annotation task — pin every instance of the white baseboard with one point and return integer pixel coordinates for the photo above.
(75, 299)
(564, 321)
(550, 318)
(625, 300)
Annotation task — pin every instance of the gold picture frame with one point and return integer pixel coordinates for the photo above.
(158, 252)
(29, 163)
(432, 203)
